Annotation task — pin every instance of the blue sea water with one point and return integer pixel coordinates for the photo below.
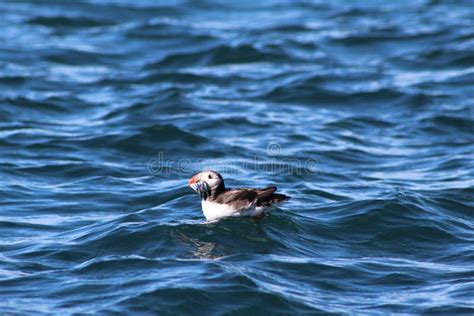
(361, 111)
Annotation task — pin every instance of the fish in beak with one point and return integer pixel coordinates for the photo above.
(200, 187)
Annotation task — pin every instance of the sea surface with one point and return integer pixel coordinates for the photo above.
(361, 111)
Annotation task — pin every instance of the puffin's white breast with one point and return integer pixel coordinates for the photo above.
(213, 211)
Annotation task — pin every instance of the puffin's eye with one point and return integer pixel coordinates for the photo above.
(209, 177)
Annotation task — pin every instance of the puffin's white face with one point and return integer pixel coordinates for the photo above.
(204, 182)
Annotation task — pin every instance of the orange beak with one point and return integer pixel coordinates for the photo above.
(193, 180)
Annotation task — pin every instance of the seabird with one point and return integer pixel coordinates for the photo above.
(218, 202)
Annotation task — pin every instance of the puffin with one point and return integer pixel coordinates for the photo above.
(218, 202)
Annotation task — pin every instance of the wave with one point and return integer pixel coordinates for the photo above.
(63, 21)
(100, 101)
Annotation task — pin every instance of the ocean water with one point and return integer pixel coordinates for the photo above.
(361, 111)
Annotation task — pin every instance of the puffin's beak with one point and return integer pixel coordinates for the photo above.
(193, 180)
(198, 186)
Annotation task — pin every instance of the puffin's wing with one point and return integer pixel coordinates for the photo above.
(265, 194)
(238, 198)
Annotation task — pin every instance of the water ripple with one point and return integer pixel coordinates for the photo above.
(96, 97)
